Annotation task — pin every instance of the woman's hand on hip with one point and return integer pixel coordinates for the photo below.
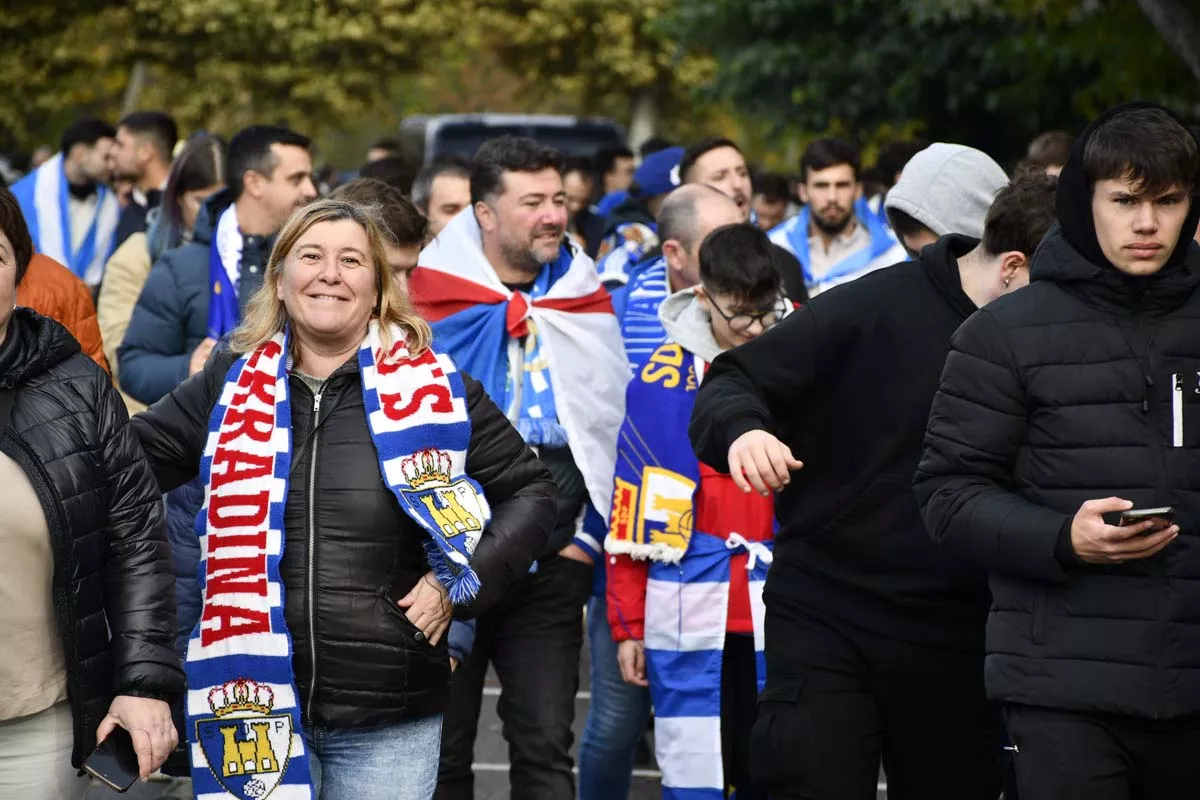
(149, 725)
(428, 607)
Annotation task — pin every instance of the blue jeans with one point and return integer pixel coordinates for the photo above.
(617, 717)
(393, 762)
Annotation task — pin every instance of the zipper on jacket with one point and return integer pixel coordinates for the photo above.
(312, 548)
(1177, 410)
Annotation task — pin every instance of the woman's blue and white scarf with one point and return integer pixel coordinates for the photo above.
(243, 710)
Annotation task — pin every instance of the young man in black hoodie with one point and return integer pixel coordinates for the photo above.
(1060, 408)
(874, 636)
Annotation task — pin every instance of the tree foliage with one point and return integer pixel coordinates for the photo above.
(986, 72)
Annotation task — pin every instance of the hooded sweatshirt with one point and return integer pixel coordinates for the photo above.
(846, 383)
(948, 188)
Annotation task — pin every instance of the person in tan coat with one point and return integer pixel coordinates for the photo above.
(54, 291)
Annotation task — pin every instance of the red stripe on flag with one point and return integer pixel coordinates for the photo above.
(598, 302)
(437, 295)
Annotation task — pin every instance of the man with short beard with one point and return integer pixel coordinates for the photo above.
(524, 313)
(144, 147)
(836, 238)
(72, 214)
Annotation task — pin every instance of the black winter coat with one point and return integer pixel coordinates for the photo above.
(1063, 392)
(350, 551)
(113, 589)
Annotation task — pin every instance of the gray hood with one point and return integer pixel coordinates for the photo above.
(688, 324)
(948, 188)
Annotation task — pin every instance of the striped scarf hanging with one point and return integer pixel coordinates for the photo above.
(243, 711)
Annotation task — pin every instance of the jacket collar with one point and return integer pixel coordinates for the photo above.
(34, 345)
(1058, 261)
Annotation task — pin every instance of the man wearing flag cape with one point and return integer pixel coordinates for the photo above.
(524, 312)
(72, 215)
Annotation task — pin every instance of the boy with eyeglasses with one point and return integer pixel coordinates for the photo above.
(688, 552)
(874, 634)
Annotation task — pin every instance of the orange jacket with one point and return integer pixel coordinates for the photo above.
(53, 291)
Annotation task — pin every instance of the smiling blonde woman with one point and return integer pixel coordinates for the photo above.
(361, 491)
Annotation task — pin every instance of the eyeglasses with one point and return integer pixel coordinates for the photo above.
(741, 322)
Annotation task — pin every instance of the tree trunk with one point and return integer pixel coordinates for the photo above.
(133, 89)
(643, 117)
(1178, 28)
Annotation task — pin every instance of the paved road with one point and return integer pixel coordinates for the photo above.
(491, 755)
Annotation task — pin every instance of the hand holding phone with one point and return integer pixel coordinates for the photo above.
(1096, 541)
(114, 762)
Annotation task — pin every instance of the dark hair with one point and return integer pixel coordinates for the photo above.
(892, 158)
(12, 222)
(653, 145)
(155, 127)
(1020, 215)
(201, 163)
(904, 224)
(508, 154)
(606, 158)
(250, 149)
(1147, 145)
(738, 260)
(396, 171)
(1050, 149)
(578, 164)
(386, 143)
(85, 131)
(772, 186)
(422, 186)
(401, 219)
(700, 148)
(826, 153)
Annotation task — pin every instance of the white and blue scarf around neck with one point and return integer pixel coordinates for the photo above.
(244, 715)
(45, 201)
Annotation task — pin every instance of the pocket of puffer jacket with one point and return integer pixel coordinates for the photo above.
(398, 613)
(1037, 622)
(779, 734)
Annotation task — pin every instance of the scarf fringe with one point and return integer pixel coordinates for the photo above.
(462, 587)
(658, 551)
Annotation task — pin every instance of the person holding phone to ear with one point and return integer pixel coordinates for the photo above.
(87, 605)
(1063, 455)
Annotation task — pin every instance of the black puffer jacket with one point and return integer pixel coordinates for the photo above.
(112, 568)
(1057, 394)
(349, 549)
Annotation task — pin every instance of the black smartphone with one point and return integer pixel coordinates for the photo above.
(1136, 515)
(114, 761)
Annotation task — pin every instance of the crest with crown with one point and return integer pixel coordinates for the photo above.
(426, 467)
(241, 695)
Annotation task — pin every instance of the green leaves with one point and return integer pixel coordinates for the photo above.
(991, 73)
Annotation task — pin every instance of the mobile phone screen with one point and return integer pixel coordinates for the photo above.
(114, 761)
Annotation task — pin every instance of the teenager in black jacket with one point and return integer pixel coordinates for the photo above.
(87, 605)
(1061, 407)
(874, 636)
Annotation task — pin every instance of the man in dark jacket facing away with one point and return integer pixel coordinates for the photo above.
(1061, 407)
(874, 636)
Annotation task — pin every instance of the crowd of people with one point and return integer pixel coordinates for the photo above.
(859, 469)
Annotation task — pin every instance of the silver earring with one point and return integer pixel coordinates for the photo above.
(1007, 281)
